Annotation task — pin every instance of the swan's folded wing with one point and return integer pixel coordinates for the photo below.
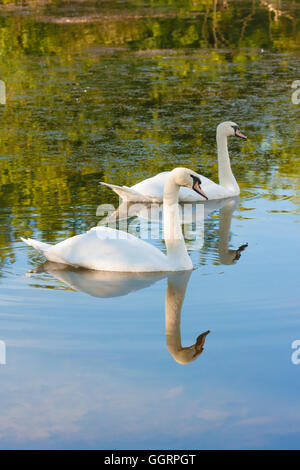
(107, 249)
(152, 188)
(128, 194)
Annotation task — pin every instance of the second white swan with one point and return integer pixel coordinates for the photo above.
(152, 189)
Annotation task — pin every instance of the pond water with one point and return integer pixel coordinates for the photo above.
(117, 92)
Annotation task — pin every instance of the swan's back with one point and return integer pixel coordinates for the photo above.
(153, 188)
(107, 249)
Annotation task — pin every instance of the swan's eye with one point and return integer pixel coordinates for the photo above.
(195, 179)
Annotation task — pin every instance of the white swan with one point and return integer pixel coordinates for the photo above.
(107, 249)
(116, 284)
(152, 189)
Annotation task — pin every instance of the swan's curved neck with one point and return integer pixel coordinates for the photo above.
(176, 250)
(226, 177)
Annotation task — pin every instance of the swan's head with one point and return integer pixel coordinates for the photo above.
(191, 353)
(232, 256)
(189, 179)
(229, 128)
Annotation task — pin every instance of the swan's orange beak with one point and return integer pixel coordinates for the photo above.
(239, 134)
(197, 188)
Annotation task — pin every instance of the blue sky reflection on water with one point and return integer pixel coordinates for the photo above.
(93, 372)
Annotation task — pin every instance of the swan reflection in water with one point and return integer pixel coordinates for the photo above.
(153, 211)
(115, 284)
(99, 283)
(137, 218)
(226, 255)
(177, 284)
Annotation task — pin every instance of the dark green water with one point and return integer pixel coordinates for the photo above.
(119, 92)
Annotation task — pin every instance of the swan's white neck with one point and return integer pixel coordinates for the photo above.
(177, 254)
(226, 177)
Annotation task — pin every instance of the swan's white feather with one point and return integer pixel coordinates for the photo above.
(105, 249)
(126, 193)
(152, 189)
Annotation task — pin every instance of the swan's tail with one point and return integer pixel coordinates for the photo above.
(44, 248)
(126, 193)
(39, 246)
